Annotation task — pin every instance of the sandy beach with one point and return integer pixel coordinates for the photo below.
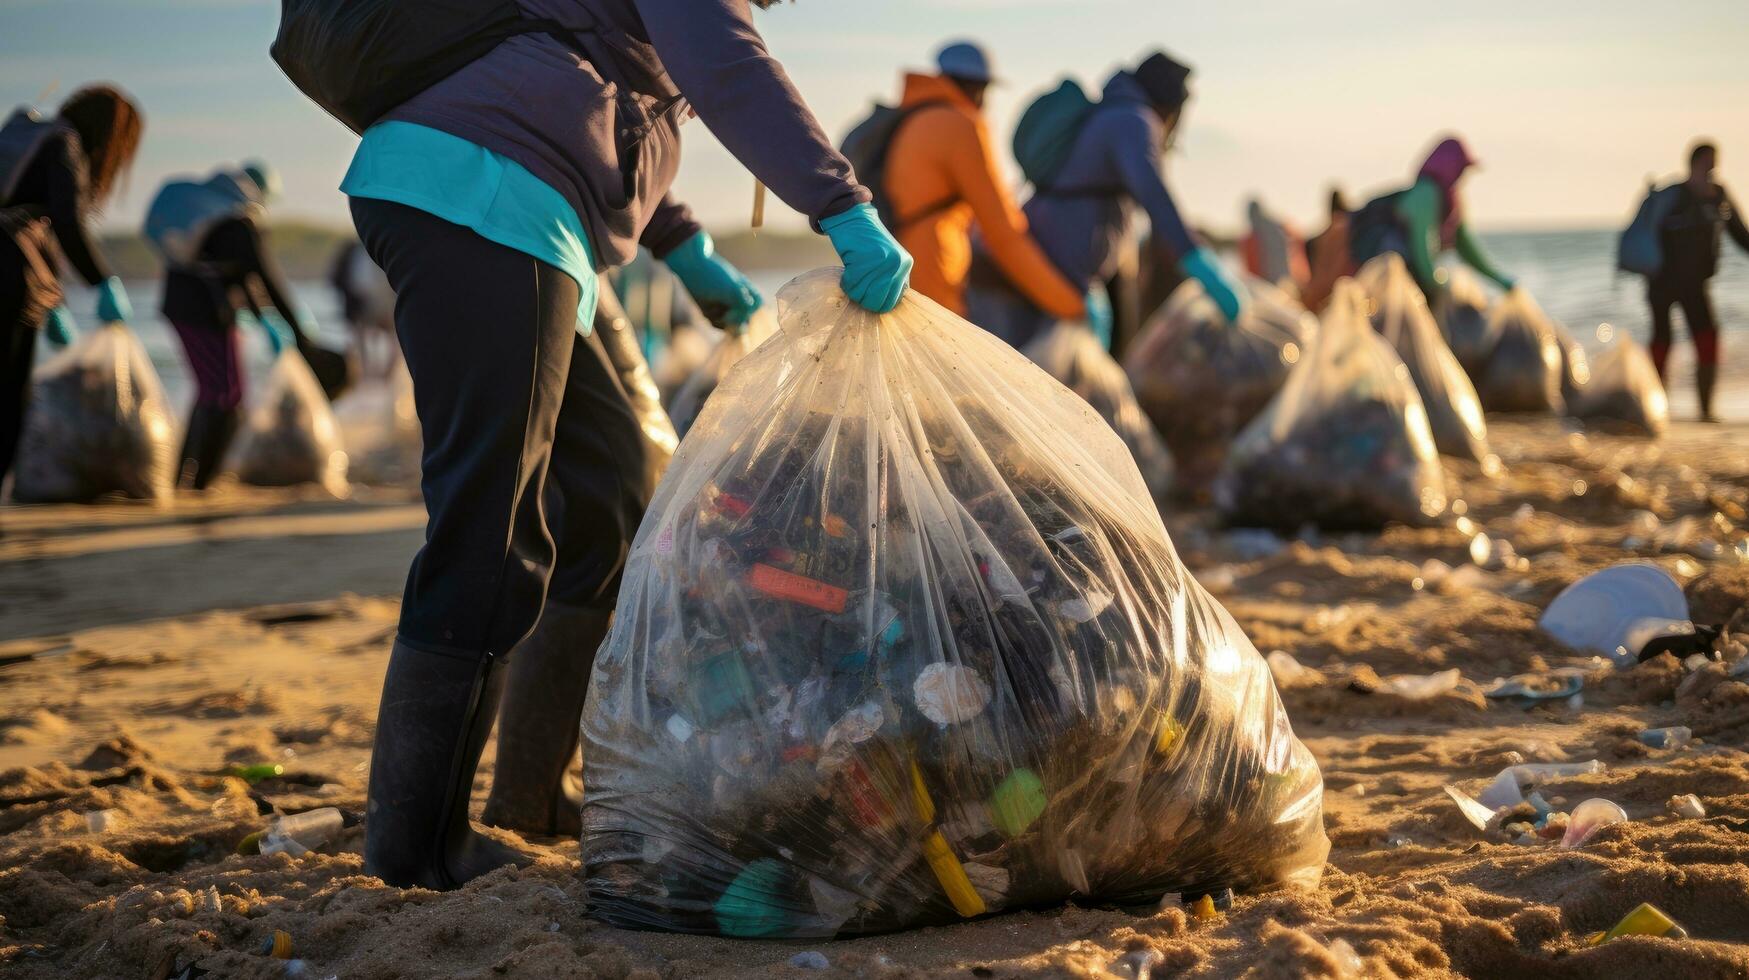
(143, 652)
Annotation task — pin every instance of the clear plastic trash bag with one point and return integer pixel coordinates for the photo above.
(1461, 306)
(688, 347)
(1524, 372)
(289, 436)
(1201, 379)
(620, 342)
(1576, 368)
(1345, 445)
(98, 425)
(902, 640)
(1400, 314)
(1070, 353)
(691, 398)
(1624, 392)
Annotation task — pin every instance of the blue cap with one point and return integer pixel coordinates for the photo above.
(963, 59)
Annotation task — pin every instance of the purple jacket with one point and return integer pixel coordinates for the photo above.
(604, 130)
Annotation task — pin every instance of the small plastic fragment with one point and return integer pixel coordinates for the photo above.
(1588, 818)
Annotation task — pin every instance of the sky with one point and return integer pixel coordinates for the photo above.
(1570, 105)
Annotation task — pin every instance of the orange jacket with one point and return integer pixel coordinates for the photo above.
(941, 175)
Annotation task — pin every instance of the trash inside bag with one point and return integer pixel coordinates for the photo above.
(1345, 445)
(98, 424)
(1201, 379)
(290, 437)
(620, 342)
(688, 347)
(1525, 370)
(1461, 306)
(1070, 353)
(1400, 313)
(697, 390)
(902, 640)
(1625, 392)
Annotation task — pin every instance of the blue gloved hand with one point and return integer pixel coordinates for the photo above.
(1506, 283)
(1099, 318)
(721, 291)
(59, 327)
(112, 302)
(279, 333)
(1202, 266)
(876, 268)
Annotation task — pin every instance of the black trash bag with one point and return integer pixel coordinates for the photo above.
(290, 436)
(98, 425)
(902, 640)
(1525, 371)
(1070, 353)
(1201, 379)
(1400, 314)
(1461, 306)
(1345, 445)
(1624, 393)
(692, 396)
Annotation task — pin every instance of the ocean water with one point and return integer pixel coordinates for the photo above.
(1571, 273)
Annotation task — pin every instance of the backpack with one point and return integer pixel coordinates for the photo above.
(360, 58)
(185, 211)
(1641, 248)
(21, 138)
(866, 146)
(1047, 131)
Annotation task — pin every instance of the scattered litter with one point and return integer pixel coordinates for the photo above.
(1290, 673)
(1674, 737)
(1527, 689)
(1687, 806)
(1398, 840)
(1348, 962)
(1645, 920)
(1473, 811)
(100, 821)
(1137, 964)
(810, 960)
(1509, 786)
(295, 834)
(1588, 818)
(1204, 908)
(256, 773)
(1422, 687)
(1617, 611)
(277, 945)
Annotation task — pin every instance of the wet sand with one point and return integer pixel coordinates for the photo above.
(145, 650)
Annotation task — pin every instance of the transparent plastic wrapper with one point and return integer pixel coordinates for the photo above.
(1071, 353)
(1345, 445)
(902, 640)
(289, 436)
(621, 344)
(98, 425)
(1200, 379)
(1400, 314)
(1525, 370)
(1461, 307)
(690, 400)
(1624, 392)
(688, 347)
(1576, 368)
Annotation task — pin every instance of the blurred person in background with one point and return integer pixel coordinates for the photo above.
(1327, 253)
(56, 175)
(1423, 221)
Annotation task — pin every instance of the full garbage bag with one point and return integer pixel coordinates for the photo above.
(902, 640)
(1461, 306)
(1576, 368)
(1345, 445)
(697, 390)
(1524, 372)
(1201, 379)
(1400, 314)
(98, 424)
(1625, 391)
(1070, 353)
(289, 436)
(688, 347)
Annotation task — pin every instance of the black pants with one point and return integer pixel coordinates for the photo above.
(533, 459)
(17, 349)
(1697, 311)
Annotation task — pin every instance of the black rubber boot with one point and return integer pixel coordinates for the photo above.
(209, 434)
(533, 791)
(1706, 378)
(433, 721)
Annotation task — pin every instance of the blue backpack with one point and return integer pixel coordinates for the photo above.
(1641, 249)
(1047, 131)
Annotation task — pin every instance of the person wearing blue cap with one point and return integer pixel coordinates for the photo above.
(1081, 212)
(939, 175)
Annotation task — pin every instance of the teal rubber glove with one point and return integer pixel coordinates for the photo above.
(279, 332)
(112, 302)
(725, 295)
(876, 268)
(59, 328)
(1099, 317)
(1202, 266)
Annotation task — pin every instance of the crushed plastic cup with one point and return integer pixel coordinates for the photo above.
(1588, 818)
(1423, 687)
(1616, 611)
(1687, 806)
(1674, 737)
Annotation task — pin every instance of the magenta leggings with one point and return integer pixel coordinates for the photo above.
(215, 361)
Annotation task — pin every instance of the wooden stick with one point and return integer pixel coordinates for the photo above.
(758, 204)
